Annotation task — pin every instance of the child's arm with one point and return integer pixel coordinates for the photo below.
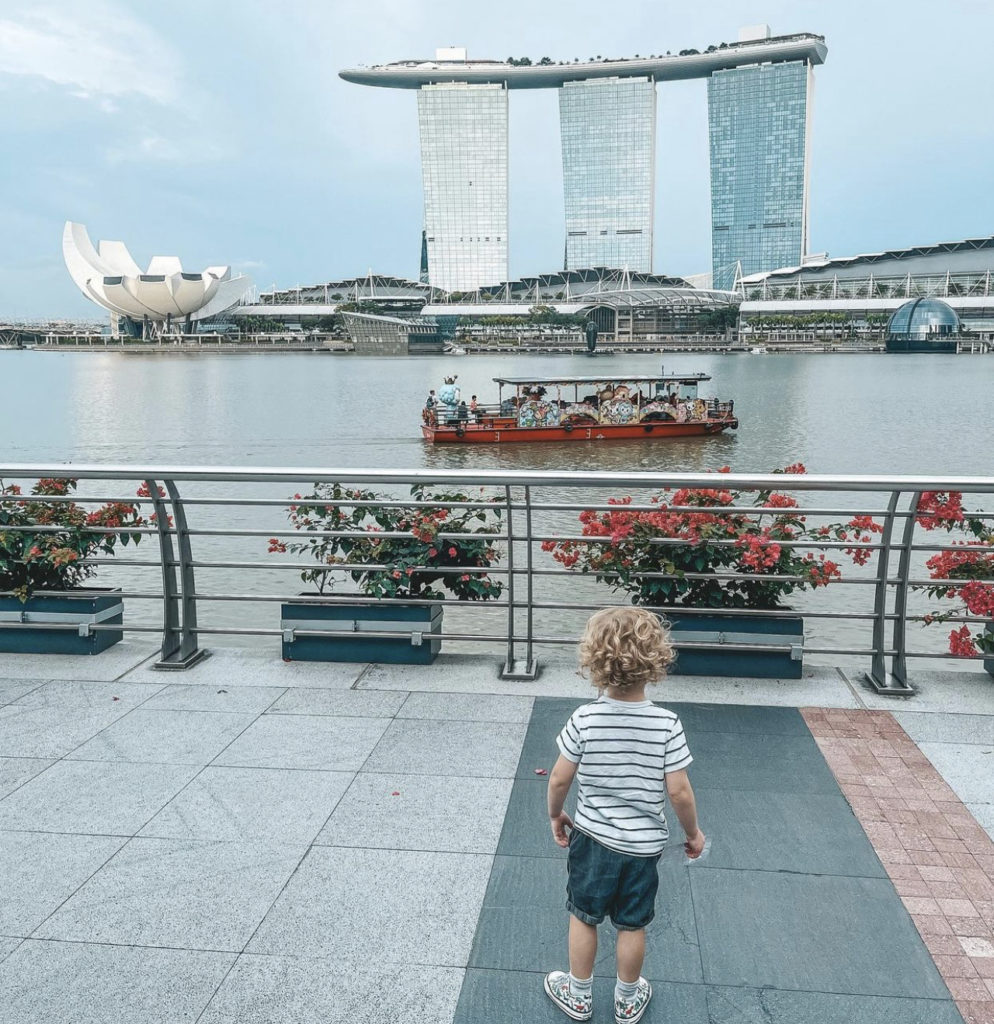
(559, 783)
(681, 796)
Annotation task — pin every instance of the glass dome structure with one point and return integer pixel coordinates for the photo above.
(923, 320)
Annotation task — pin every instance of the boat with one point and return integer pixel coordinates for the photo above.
(757, 350)
(647, 408)
(454, 350)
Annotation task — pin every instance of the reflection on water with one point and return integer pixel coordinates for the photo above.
(911, 414)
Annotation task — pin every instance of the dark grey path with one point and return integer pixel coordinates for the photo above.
(792, 919)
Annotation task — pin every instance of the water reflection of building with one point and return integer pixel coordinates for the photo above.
(759, 97)
(871, 286)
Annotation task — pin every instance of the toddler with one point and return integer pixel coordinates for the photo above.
(627, 754)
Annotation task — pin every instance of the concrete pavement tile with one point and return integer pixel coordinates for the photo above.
(967, 767)
(187, 894)
(165, 737)
(242, 699)
(343, 703)
(274, 804)
(816, 833)
(93, 797)
(428, 813)
(984, 813)
(510, 997)
(228, 667)
(773, 1006)
(318, 742)
(390, 906)
(526, 831)
(933, 726)
(809, 932)
(51, 731)
(939, 691)
(40, 871)
(69, 693)
(11, 689)
(470, 707)
(108, 665)
(266, 989)
(523, 922)
(418, 747)
(15, 771)
(96, 984)
(7, 945)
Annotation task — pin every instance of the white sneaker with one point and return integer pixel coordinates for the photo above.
(627, 1011)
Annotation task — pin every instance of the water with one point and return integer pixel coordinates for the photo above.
(914, 414)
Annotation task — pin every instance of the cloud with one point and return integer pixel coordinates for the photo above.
(149, 146)
(96, 51)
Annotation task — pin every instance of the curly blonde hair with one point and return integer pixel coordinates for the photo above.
(625, 648)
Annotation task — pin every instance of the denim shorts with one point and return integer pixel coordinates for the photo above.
(602, 883)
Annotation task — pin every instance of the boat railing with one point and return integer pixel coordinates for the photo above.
(204, 571)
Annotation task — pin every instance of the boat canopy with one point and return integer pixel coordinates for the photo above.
(608, 378)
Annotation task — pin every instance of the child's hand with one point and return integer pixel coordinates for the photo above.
(560, 823)
(694, 845)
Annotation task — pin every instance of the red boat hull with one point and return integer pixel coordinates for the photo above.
(498, 430)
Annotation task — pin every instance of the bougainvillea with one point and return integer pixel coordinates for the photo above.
(44, 545)
(406, 547)
(680, 551)
(965, 573)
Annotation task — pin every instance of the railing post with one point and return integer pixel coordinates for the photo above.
(878, 677)
(179, 600)
(899, 667)
(513, 669)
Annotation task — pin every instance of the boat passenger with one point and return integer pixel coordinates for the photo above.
(474, 409)
(462, 413)
(430, 400)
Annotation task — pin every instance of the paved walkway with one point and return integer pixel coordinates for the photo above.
(259, 842)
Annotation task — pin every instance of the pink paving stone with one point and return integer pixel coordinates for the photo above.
(984, 966)
(977, 884)
(946, 890)
(959, 860)
(931, 924)
(879, 782)
(852, 789)
(936, 872)
(979, 949)
(912, 887)
(919, 802)
(913, 838)
(986, 861)
(942, 945)
(926, 858)
(968, 989)
(989, 982)
(977, 1013)
(892, 857)
(986, 910)
(903, 871)
(970, 927)
(955, 967)
(951, 845)
(920, 905)
(957, 908)
(898, 816)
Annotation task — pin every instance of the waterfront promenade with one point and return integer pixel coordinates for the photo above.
(255, 841)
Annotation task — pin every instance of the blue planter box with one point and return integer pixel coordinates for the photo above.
(107, 609)
(346, 623)
(738, 629)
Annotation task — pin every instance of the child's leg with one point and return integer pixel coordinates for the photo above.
(631, 953)
(582, 948)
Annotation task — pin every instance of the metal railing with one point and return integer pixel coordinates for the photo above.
(213, 522)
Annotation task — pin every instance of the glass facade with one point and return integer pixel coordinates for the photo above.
(463, 131)
(759, 133)
(608, 128)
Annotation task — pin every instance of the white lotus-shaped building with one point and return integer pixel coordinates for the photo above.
(110, 277)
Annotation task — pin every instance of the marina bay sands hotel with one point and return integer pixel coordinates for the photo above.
(759, 112)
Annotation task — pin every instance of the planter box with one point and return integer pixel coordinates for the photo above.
(107, 609)
(738, 629)
(413, 624)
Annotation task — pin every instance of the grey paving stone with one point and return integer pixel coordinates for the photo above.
(165, 737)
(268, 989)
(932, 726)
(274, 804)
(7, 946)
(523, 922)
(815, 833)
(51, 731)
(810, 932)
(93, 797)
(11, 689)
(511, 997)
(416, 747)
(228, 667)
(470, 707)
(526, 831)
(967, 767)
(984, 813)
(89, 983)
(186, 894)
(305, 741)
(15, 771)
(343, 703)
(108, 665)
(766, 721)
(772, 1006)
(242, 699)
(41, 870)
(937, 691)
(428, 813)
(396, 905)
(69, 693)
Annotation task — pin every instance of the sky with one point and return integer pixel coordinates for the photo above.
(220, 132)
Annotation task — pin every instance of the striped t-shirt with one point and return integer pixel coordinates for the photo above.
(624, 750)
